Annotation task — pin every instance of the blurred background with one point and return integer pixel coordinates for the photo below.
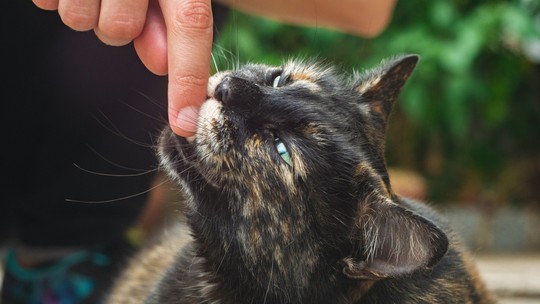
(465, 134)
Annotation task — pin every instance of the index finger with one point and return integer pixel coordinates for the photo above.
(189, 43)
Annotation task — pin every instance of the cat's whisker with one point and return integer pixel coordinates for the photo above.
(116, 175)
(180, 162)
(216, 67)
(114, 130)
(144, 113)
(114, 163)
(224, 255)
(190, 118)
(161, 105)
(217, 55)
(269, 282)
(118, 198)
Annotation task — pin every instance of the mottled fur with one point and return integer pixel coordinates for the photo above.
(326, 228)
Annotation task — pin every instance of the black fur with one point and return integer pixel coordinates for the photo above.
(325, 228)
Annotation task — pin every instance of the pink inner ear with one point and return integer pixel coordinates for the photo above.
(401, 240)
(359, 270)
(387, 269)
(374, 270)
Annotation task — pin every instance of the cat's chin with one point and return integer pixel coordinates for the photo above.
(178, 157)
(174, 152)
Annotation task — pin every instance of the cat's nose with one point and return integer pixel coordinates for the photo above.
(223, 90)
(237, 92)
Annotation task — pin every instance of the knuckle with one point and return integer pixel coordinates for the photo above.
(121, 27)
(189, 80)
(195, 15)
(79, 20)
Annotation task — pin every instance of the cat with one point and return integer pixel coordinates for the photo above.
(289, 200)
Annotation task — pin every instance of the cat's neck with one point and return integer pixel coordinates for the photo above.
(246, 263)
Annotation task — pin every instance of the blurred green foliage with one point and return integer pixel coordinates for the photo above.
(469, 118)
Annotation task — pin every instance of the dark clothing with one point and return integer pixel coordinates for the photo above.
(73, 105)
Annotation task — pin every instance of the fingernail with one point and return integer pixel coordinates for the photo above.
(187, 119)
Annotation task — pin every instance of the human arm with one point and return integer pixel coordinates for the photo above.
(366, 18)
(175, 36)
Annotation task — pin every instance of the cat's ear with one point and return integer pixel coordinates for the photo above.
(394, 241)
(379, 87)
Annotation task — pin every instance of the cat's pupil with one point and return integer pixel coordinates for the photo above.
(275, 84)
(282, 150)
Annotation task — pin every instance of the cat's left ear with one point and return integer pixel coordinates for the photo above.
(379, 87)
(394, 242)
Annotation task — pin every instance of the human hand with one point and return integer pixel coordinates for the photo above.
(189, 41)
(170, 36)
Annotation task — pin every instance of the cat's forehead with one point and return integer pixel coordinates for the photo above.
(313, 71)
(253, 71)
(294, 69)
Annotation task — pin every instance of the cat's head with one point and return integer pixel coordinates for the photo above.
(290, 160)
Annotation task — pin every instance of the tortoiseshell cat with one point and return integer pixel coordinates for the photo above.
(290, 200)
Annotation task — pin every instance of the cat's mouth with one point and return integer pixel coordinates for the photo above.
(187, 146)
(207, 153)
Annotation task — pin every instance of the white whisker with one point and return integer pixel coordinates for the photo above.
(115, 175)
(115, 199)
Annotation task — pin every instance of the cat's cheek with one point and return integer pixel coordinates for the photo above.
(211, 122)
(210, 117)
(299, 167)
(210, 110)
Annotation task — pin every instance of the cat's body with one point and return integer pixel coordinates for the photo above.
(289, 200)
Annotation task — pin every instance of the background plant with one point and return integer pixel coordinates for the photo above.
(469, 118)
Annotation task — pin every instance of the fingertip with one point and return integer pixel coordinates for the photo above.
(181, 132)
(79, 16)
(49, 5)
(185, 122)
(121, 21)
(154, 60)
(112, 41)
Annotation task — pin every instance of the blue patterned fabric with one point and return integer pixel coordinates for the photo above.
(57, 283)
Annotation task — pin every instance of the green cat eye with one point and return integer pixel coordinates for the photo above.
(275, 84)
(283, 152)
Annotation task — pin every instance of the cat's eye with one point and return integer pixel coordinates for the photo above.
(275, 78)
(282, 151)
(275, 83)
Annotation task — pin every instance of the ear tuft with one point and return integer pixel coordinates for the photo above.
(359, 270)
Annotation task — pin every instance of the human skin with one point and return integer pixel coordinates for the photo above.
(174, 37)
